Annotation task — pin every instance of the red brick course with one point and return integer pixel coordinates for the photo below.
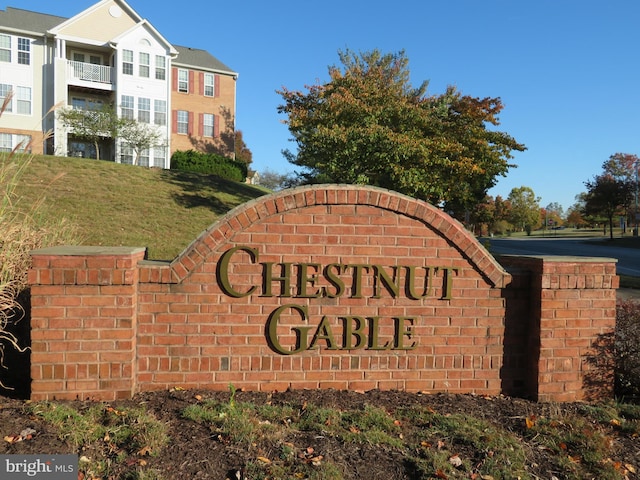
(345, 268)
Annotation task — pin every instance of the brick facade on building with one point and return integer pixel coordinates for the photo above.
(319, 287)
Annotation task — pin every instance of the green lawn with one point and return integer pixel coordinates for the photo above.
(123, 205)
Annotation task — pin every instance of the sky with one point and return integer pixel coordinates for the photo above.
(567, 71)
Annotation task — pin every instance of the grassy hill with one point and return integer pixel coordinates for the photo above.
(123, 205)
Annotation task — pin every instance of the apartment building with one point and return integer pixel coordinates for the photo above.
(109, 55)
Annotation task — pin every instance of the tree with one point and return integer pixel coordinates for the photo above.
(607, 196)
(482, 216)
(552, 214)
(139, 136)
(368, 125)
(623, 167)
(525, 209)
(575, 216)
(277, 181)
(242, 152)
(91, 125)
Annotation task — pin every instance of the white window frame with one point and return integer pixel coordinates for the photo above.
(161, 67)
(10, 142)
(208, 124)
(5, 90)
(5, 48)
(127, 154)
(159, 156)
(144, 110)
(144, 65)
(6, 143)
(23, 100)
(183, 80)
(22, 143)
(24, 51)
(160, 112)
(182, 126)
(143, 158)
(209, 85)
(127, 62)
(127, 103)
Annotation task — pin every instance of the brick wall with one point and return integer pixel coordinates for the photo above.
(318, 287)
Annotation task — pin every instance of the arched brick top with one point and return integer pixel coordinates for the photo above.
(262, 208)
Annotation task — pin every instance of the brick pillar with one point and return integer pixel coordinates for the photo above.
(83, 322)
(572, 311)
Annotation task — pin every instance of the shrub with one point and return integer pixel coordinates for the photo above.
(210, 163)
(627, 349)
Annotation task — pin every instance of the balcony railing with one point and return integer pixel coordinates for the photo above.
(89, 72)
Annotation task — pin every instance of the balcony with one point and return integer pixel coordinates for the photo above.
(90, 75)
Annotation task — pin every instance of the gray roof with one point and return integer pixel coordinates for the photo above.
(34, 22)
(27, 21)
(195, 57)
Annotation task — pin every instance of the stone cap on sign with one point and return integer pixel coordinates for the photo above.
(85, 251)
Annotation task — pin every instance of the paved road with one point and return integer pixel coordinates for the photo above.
(628, 258)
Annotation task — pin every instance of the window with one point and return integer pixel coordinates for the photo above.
(144, 110)
(78, 103)
(5, 142)
(5, 48)
(126, 154)
(22, 143)
(24, 51)
(183, 80)
(143, 68)
(161, 68)
(160, 112)
(127, 106)
(127, 62)
(159, 156)
(5, 91)
(207, 125)
(208, 84)
(183, 121)
(143, 159)
(19, 143)
(23, 100)
(86, 104)
(78, 57)
(95, 59)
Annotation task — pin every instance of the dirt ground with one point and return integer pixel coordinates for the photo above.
(194, 453)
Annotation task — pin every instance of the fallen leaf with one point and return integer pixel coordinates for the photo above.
(441, 474)
(630, 467)
(615, 421)
(530, 421)
(146, 450)
(13, 438)
(264, 460)
(456, 461)
(198, 397)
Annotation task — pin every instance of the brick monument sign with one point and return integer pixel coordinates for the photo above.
(326, 286)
